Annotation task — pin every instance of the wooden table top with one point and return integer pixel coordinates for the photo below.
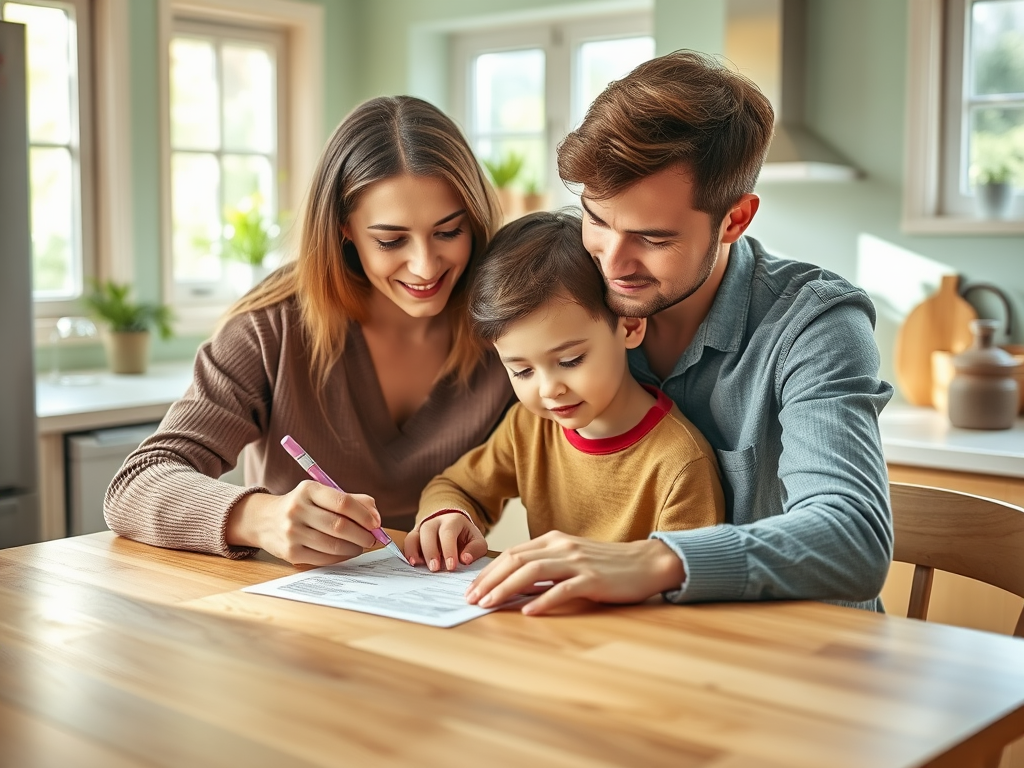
(113, 653)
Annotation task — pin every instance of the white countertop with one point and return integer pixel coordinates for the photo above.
(111, 399)
(920, 437)
(923, 437)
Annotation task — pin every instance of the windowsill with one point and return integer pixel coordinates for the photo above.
(954, 225)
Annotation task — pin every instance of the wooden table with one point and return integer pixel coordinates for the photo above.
(113, 653)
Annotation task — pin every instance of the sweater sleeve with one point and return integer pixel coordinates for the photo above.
(482, 480)
(695, 500)
(167, 492)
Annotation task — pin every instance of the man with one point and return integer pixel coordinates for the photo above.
(773, 360)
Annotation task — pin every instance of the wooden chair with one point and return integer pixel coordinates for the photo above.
(969, 535)
(961, 533)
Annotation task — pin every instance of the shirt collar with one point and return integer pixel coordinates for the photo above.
(724, 327)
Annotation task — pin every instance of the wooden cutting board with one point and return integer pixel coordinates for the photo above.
(940, 322)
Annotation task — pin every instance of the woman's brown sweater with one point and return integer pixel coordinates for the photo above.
(251, 387)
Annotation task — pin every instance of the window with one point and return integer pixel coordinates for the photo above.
(230, 138)
(59, 158)
(965, 112)
(522, 90)
(225, 139)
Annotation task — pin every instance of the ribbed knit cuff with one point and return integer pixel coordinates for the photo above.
(716, 567)
(225, 549)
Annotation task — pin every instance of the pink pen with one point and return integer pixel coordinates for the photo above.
(313, 470)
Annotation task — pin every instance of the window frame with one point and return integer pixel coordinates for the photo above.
(302, 24)
(83, 156)
(187, 295)
(560, 40)
(934, 141)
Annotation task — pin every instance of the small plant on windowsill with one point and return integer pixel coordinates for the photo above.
(534, 198)
(993, 190)
(250, 238)
(128, 324)
(503, 171)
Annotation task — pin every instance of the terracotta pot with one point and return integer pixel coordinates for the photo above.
(535, 202)
(127, 351)
(511, 202)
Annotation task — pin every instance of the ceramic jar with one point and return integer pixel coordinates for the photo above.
(983, 392)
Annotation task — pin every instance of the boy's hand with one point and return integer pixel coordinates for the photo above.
(444, 541)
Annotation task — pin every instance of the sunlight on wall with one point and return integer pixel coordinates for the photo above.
(897, 280)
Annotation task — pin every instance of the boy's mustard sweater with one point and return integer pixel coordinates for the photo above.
(661, 475)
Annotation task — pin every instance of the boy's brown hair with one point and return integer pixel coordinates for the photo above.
(683, 108)
(531, 261)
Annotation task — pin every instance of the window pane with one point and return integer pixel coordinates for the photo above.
(997, 139)
(248, 176)
(53, 264)
(249, 119)
(195, 185)
(602, 61)
(509, 92)
(49, 70)
(195, 111)
(997, 47)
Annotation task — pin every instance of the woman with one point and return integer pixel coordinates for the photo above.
(360, 350)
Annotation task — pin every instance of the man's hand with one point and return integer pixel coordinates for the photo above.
(618, 572)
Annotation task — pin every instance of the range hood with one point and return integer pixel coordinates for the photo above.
(766, 40)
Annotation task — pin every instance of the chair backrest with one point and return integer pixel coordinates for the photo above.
(968, 535)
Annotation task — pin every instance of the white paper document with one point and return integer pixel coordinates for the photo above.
(379, 583)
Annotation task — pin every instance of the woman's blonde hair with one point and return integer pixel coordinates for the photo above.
(381, 138)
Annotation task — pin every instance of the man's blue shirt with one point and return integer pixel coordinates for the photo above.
(782, 379)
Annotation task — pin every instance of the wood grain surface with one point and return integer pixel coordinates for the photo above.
(940, 322)
(113, 653)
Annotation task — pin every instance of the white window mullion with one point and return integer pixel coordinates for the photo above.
(560, 42)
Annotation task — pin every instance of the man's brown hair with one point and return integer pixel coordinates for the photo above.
(683, 108)
(531, 261)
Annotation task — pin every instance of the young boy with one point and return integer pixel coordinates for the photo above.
(588, 449)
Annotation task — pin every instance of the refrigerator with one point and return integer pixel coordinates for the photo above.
(19, 489)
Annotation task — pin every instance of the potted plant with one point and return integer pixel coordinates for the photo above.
(993, 190)
(249, 238)
(504, 171)
(129, 324)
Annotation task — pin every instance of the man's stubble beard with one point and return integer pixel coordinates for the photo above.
(626, 307)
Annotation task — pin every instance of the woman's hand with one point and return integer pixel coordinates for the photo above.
(450, 538)
(311, 525)
(617, 572)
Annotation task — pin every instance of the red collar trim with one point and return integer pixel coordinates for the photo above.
(604, 445)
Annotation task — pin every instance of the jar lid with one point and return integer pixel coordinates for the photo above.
(991, 361)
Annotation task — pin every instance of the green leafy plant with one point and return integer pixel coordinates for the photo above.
(108, 301)
(249, 235)
(505, 169)
(999, 173)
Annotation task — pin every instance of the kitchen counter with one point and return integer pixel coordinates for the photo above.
(923, 437)
(112, 399)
